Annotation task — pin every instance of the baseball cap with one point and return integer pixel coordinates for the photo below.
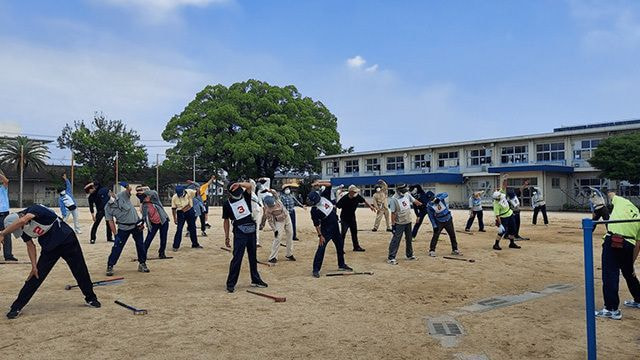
(10, 219)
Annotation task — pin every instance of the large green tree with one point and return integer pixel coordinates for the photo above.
(33, 153)
(618, 157)
(253, 129)
(94, 146)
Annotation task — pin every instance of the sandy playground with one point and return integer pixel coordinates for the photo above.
(383, 316)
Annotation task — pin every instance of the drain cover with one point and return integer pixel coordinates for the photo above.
(493, 302)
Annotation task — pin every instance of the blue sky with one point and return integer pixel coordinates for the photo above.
(395, 73)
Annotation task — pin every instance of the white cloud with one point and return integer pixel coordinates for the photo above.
(356, 61)
(608, 25)
(372, 68)
(161, 10)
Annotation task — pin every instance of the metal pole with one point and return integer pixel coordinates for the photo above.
(21, 173)
(116, 184)
(590, 308)
(72, 172)
(194, 168)
(158, 173)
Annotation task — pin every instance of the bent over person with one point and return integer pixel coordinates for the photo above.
(57, 240)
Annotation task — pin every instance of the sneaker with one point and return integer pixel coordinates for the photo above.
(258, 245)
(230, 289)
(291, 258)
(142, 267)
(94, 303)
(413, 257)
(632, 304)
(389, 230)
(359, 249)
(198, 246)
(109, 270)
(12, 314)
(456, 253)
(259, 284)
(207, 226)
(607, 314)
(175, 249)
(316, 274)
(162, 256)
(203, 234)
(483, 230)
(392, 262)
(374, 230)
(11, 258)
(92, 241)
(273, 260)
(514, 246)
(296, 239)
(467, 230)
(432, 253)
(109, 240)
(496, 247)
(345, 267)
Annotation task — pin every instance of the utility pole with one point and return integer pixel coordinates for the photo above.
(72, 172)
(158, 173)
(194, 168)
(21, 173)
(116, 184)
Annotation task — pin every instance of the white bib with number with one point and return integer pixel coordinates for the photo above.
(34, 229)
(325, 206)
(240, 209)
(404, 203)
(439, 207)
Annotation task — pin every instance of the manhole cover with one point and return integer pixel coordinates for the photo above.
(443, 328)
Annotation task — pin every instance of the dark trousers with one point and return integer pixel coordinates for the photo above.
(337, 239)
(71, 253)
(164, 229)
(94, 227)
(472, 217)
(350, 225)
(6, 246)
(292, 215)
(447, 225)
(615, 261)
(602, 213)
(417, 225)
(242, 241)
(394, 245)
(203, 217)
(190, 218)
(516, 223)
(121, 240)
(543, 210)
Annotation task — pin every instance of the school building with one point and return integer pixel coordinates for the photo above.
(555, 161)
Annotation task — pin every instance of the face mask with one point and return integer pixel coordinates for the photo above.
(112, 200)
(63, 193)
(378, 189)
(287, 191)
(322, 188)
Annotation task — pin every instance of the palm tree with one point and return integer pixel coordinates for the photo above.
(35, 153)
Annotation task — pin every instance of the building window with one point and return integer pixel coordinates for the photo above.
(395, 163)
(583, 150)
(581, 184)
(479, 157)
(421, 161)
(372, 165)
(525, 195)
(368, 190)
(550, 152)
(351, 166)
(448, 159)
(555, 183)
(514, 155)
(628, 189)
(333, 168)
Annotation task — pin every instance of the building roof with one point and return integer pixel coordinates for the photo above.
(558, 132)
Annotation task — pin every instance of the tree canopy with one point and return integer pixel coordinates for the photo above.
(253, 129)
(34, 153)
(618, 157)
(94, 146)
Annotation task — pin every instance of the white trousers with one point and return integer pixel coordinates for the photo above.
(283, 229)
(257, 213)
(76, 225)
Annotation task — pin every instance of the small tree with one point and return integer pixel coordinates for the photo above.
(95, 146)
(618, 157)
(33, 152)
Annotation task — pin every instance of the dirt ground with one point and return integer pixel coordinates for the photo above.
(191, 316)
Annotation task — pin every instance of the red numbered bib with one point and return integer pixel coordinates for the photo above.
(240, 209)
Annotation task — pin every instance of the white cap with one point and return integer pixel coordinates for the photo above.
(10, 219)
(496, 195)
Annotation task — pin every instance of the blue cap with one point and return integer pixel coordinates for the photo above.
(430, 195)
(123, 184)
(180, 190)
(313, 198)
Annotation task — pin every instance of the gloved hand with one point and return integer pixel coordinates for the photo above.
(501, 229)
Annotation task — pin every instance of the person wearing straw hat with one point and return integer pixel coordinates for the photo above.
(57, 240)
(119, 210)
(349, 204)
(382, 204)
(280, 221)
(4, 212)
(290, 202)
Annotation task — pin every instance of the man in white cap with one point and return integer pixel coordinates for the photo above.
(57, 240)
(504, 217)
(349, 204)
(538, 204)
(381, 203)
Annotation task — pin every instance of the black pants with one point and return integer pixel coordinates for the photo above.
(472, 217)
(330, 235)
(516, 223)
(615, 261)
(164, 229)
(543, 210)
(448, 225)
(121, 240)
(602, 213)
(242, 241)
(416, 226)
(71, 252)
(352, 226)
(94, 227)
(6, 246)
(188, 217)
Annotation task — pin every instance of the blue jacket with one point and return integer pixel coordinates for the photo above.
(421, 211)
(69, 192)
(439, 212)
